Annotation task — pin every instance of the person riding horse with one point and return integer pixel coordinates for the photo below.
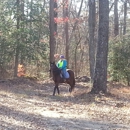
(56, 76)
(67, 75)
(62, 65)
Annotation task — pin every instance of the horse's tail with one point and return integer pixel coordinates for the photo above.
(74, 81)
(73, 75)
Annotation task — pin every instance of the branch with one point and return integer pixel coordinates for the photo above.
(75, 24)
(111, 7)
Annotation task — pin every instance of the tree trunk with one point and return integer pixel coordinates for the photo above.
(75, 54)
(17, 44)
(22, 35)
(116, 19)
(92, 45)
(65, 15)
(100, 74)
(125, 15)
(53, 28)
(31, 10)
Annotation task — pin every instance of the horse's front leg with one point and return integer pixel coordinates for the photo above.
(56, 87)
(54, 91)
(58, 90)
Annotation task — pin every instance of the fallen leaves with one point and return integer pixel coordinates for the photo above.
(29, 105)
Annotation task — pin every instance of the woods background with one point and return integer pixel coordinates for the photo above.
(32, 31)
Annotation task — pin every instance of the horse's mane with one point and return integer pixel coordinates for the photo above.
(55, 69)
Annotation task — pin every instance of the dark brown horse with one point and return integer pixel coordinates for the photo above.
(56, 73)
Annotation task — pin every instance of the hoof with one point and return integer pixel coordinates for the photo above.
(70, 90)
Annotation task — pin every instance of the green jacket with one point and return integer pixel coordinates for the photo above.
(62, 64)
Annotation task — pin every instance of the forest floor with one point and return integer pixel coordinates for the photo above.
(29, 105)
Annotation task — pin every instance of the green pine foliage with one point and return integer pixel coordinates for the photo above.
(31, 38)
(119, 59)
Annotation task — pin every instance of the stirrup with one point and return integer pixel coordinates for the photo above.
(61, 75)
(64, 80)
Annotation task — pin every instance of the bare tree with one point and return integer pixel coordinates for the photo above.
(125, 15)
(17, 45)
(100, 75)
(92, 45)
(116, 18)
(53, 28)
(66, 15)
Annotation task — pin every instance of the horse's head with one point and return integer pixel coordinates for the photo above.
(54, 68)
(52, 65)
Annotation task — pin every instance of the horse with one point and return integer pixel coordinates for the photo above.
(56, 75)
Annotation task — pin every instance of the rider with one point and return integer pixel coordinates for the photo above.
(62, 64)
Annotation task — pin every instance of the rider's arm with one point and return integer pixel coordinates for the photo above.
(64, 64)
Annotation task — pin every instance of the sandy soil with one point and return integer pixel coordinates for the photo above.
(29, 105)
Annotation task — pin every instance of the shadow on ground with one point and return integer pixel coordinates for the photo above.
(39, 122)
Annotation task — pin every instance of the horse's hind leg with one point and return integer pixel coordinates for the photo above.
(70, 89)
(72, 85)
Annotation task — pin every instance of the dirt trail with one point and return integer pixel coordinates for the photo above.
(27, 105)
